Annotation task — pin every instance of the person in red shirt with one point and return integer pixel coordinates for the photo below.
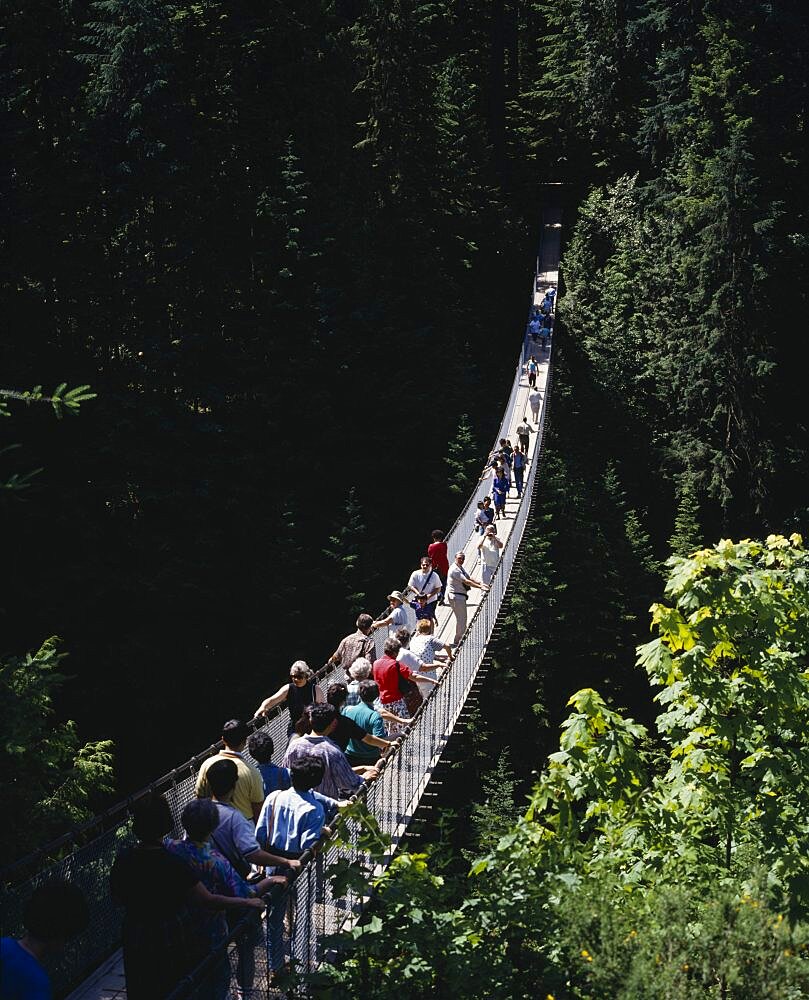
(387, 674)
(437, 551)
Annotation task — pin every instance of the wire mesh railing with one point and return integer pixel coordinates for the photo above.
(85, 857)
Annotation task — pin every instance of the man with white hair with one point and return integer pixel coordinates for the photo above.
(459, 583)
(360, 670)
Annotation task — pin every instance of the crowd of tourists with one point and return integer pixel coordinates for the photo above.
(252, 819)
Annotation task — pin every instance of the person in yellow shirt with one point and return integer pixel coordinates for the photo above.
(248, 795)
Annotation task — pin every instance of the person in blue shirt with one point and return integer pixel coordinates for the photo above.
(292, 820)
(56, 912)
(261, 749)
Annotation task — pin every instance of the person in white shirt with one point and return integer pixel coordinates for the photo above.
(523, 432)
(413, 660)
(458, 584)
(535, 398)
(489, 548)
(426, 586)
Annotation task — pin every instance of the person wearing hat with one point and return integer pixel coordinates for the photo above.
(397, 616)
(248, 795)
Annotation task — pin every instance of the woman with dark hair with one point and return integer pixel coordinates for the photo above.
(157, 891)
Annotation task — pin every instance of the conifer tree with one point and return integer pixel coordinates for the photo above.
(687, 536)
(462, 459)
(346, 552)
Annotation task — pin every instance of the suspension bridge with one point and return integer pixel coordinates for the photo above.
(92, 968)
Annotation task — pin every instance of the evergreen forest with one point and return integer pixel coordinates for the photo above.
(276, 259)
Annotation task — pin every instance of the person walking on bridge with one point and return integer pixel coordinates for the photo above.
(523, 431)
(535, 399)
(500, 488)
(459, 583)
(519, 469)
(489, 548)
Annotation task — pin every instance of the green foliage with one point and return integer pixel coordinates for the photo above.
(346, 553)
(462, 458)
(62, 399)
(51, 779)
(497, 810)
(681, 942)
(644, 867)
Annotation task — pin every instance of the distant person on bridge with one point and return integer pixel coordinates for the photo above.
(359, 643)
(425, 584)
(301, 691)
(363, 670)
(534, 327)
(459, 583)
(532, 368)
(524, 430)
(535, 399)
(55, 912)
(519, 469)
(397, 616)
(500, 488)
(489, 548)
(248, 796)
(340, 781)
(485, 515)
(437, 551)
